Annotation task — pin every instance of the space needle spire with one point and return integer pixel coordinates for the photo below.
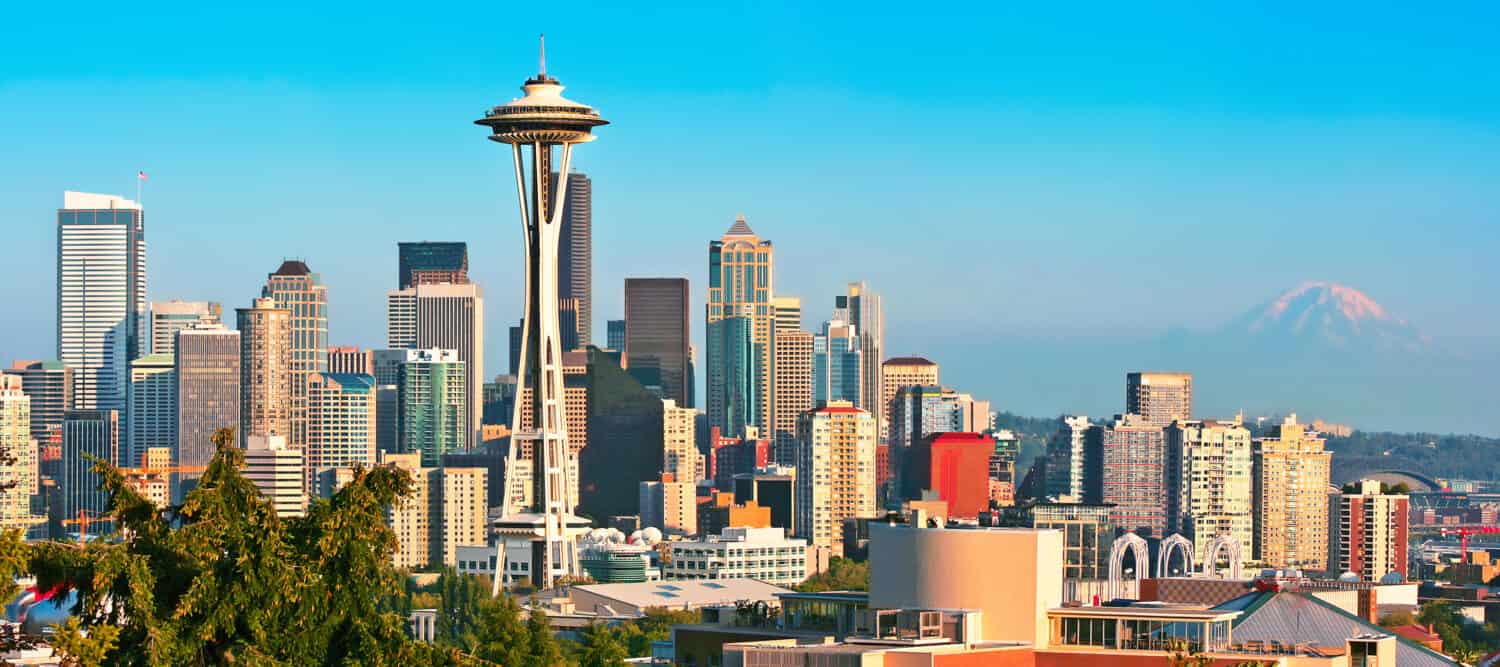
(541, 126)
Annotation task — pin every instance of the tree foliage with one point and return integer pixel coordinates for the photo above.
(842, 575)
(225, 580)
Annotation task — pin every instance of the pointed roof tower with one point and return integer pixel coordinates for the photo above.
(739, 228)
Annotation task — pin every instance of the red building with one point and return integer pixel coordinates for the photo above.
(957, 467)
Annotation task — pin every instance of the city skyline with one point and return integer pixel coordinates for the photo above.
(1064, 180)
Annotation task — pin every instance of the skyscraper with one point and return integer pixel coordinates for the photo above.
(739, 330)
(919, 412)
(340, 422)
(575, 254)
(266, 377)
(615, 335)
(1291, 486)
(1126, 462)
(101, 295)
(1066, 458)
(786, 313)
(434, 406)
(860, 307)
(18, 476)
(1208, 482)
(431, 262)
(153, 407)
(899, 372)
(87, 433)
(208, 390)
(567, 323)
(835, 472)
(346, 359)
(448, 317)
(50, 386)
(839, 365)
(1159, 398)
(297, 289)
(169, 317)
(793, 393)
(657, 335)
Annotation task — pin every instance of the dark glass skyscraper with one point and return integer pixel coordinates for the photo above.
(428, 262)
(656, 334)
(575, 254)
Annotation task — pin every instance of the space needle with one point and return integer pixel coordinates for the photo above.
(540, 540)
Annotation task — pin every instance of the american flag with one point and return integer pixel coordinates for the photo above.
(141, 175)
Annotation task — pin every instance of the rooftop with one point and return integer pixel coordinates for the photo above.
(739, 228)
(293, 267)
(908, 361)
(685, 593)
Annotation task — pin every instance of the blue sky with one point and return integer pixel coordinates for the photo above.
(1091, 171)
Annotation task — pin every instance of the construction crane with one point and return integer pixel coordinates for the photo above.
(1463, 538)
(83, 521)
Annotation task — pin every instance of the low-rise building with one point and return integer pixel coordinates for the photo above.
(764, 554)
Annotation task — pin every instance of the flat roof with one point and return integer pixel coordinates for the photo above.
(1175, 613)
(680, 593)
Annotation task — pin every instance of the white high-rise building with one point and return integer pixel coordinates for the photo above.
(101, 295)
(153, 406)
(765, 554)
(1065, 458)
(447, 316)
(1209, 485)
(276, 469)
(19, 475)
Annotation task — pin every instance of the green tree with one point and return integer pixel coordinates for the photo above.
(842, 575)
(226, 580)
(602, 647)
(500, 636)
(543, 650)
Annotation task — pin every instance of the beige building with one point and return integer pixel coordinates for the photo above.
(296, 288)
(926, 568)
(1290, 480)
(340, 423)
(265, 370)
(835, 472)
(680, 455)
(1209, 490)
(20, 475)
(1159, 398)
(460, 512)
(896, 374)
(276, 469)
(670, 505)
(786, 313)
(446, 509)
(793, 391)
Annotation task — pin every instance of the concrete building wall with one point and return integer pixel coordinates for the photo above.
(1013, 574)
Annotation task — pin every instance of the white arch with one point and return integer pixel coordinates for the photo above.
(1136, 545)
(1164, 551)
(1221, 545)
